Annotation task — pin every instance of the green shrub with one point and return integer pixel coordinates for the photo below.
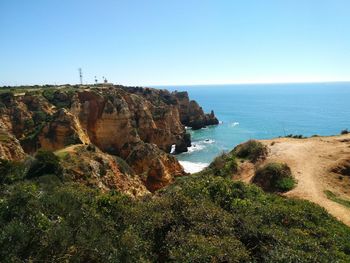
(285, 184)
(49, 94)
(218, 162)
(343, 132)
(300, 136)
(198, 219)
(7, 98)
(40, 116)
(32, 135)
(275, 177)
(60, 98)
(45, 162)
(271, 228)
(28, 124)
(11, 171)
(71, 140)
(224, 165)
(251, 150)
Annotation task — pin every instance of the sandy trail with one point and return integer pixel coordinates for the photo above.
(310, 161)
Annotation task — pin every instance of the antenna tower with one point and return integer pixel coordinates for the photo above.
(81, 76)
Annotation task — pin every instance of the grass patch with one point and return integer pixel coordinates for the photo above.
(335, 198)
(61, 154)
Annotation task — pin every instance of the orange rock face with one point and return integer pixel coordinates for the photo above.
(63, 130)
(90, 166)
(139, 125)
(10, 148)
(157, 169)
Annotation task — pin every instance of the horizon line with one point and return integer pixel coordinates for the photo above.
(254, 83)
(198, 84)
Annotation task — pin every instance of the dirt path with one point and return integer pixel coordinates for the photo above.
(310, 161)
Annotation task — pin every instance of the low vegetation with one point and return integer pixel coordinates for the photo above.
(335, 198)
(251, 150)
(60, 98)
(45, 162)
(343, 132)
(342, 168)
(202, 218)
(225, 165)
(300, 136)
(276, 177)
(11, 171)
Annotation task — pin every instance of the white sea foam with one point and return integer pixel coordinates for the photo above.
(209, 141)
(195, 147)
(191, 167)
(172, 151)
(199, 145)
(234, 124)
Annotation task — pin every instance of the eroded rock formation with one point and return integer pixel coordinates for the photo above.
(191, 114)
(90, 166)
(10, 148)
(139, 125)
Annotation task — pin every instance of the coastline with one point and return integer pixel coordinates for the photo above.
(192, 167)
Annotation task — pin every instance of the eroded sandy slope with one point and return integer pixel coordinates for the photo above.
(311, 161)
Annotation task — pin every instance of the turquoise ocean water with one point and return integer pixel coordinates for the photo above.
(264, 111)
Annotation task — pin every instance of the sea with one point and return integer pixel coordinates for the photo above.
(263, 111)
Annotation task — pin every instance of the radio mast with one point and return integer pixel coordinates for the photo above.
(81, 76)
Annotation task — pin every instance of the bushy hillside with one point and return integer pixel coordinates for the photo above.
(202, 218)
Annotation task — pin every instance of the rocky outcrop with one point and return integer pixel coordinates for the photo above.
(63, 130)
(139, 125)
(157, 169)
(191, 114)
(24, 116)
(106, 118)
(90, 166)
(127, 125)
(10, 148)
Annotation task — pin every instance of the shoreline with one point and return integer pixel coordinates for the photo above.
(193, 167)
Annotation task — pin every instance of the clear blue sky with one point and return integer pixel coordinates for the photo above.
(150, 42)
